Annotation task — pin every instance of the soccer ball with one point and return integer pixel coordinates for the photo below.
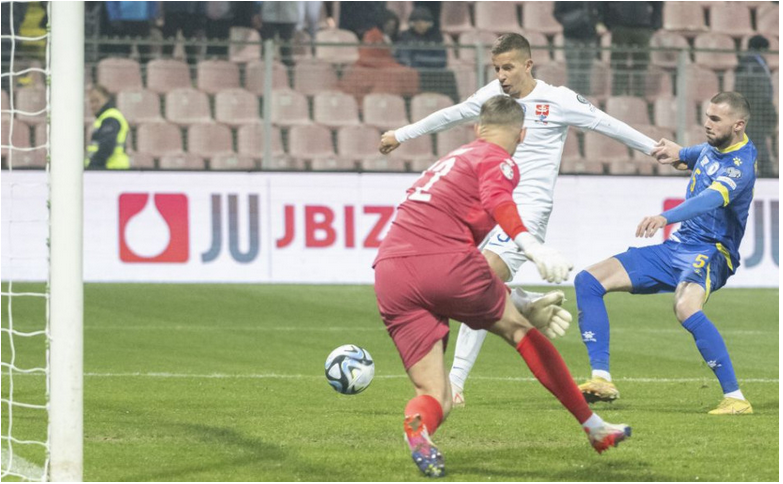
(349, 369)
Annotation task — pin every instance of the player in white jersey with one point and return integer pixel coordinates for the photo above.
(549, 111)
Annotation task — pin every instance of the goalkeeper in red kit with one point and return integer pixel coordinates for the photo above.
(429, 270)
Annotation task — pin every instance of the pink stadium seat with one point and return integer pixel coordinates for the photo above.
(455, 17)
(302, 47)
(539, 17)
(686, 18)
(141, 161)
(313, 77)
(467, 53)
(41, 136)
(768, 19)
(579, 166)
(385, 111)
(21, 158)
(358, 142)
(289, 108)
(139, 106)
(719, 61)
(209, 140)
(5, 104)
(182, 161)
(659, 83)
(230, 161)
(600, 81)
(333, 164)
(702, 83)
(669, 170)
(451, 51)
(250, 141)
(158, 139)
(311, 142)
(337, 54)
(216, 75)
(384, 163)
(730, 18)
(665, 112)
(242, 53)
(654, 132)
(601, 148)
(235, 107)
(554, 73)
(631, 110)
(571, 148)
(496, 16)
(335, 109)
(539, 47)
(426, 103)
(20, 137)
(417, 149)
(451, 139)
(773, 60)
(164, 75)
(187, 106)
(33, 101)
(672, 42)
(119, 74)
(695, 135)
(466, 80)
(255, 77)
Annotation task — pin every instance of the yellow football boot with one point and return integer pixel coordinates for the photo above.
(732, 406)
(599, 390)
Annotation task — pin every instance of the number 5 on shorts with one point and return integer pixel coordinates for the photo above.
(701, 259)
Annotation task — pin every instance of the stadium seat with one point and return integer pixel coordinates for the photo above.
(30, 100)
(5, 104)
(289, 108)
(554, 73)
(255, 77)
(243, 53)
(673, 43)
(539, 17)
(187, 106)
(730, 18)
(158, 139)
(164, 75)
(235, 107)
(20, 137)
(358, 142)
(208, 140)
(601, 148)
(230, 161)
(703, 83)
(339, 54)
(141, 161)
(539, 48)
(313, 77)
(117, 74)
(23, 157)
(665, 112)
(384, 163)
(768, 19)
(451, 51)
(216, 75)
(360, 81)
(426, 103)
(385, 111)
(250, 140)
(139, 106)
(455, 18)
(333, 164)
(417, 149)
(40, 135)
(669, 170)
(600, 81)
(773, 60)
(311, 142)
(579, 166)
(571, 149)
(468, 40)
(629, 109)
(182, 161)
(658, 83)
(686, 18)
(496, 17)
(465, 76)
(694, 135)
(451, 139)
(718, 61)
(335, 109)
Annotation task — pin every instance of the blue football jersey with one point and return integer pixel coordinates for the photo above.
(730, 172)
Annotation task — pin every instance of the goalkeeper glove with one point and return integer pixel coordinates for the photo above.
(546, 315)
(551, 264)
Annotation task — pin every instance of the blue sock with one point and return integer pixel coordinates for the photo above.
(593, 319)
(713, 350)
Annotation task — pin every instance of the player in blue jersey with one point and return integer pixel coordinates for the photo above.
(696, 260)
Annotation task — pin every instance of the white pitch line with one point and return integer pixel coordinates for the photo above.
(20, 466)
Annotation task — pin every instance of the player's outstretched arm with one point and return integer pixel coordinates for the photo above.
(650, 225)
(667, 152)
(389, 142)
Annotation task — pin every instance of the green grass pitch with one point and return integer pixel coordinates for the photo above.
(226, 382)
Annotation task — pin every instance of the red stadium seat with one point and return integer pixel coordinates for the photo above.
(139, 106)
(358, 142)
(255, 77)
(730, 18)
(208, 140)
(601, 148)
(187, 106)
(311, 142)
(719, 61)
(768, 19)
(455, 17)
(289, 108)
(665, 112)
(467, 41)
(600, 81)
(250, 141)
(658, 83)
(695, 135)
(554, 73)
(426, 103)
(335, 109)
(496, 16)
(418, 150)
(673, 43)
(629, 109)
(158, 139)
(230, 161)
(164, 75)
(33, 101)
(216, 75)
(703, 83)
(539, 17)
(313, 77)
(337, 54)
(182, 161)
(686, 18)
(235, 107)
(117, 74)
(539, 48)
(451, 139)
(466, 80)
(385, 111)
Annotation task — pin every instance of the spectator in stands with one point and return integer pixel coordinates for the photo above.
(130, 19)
(582, 28)
(358, 17)
(110, 131)
(309, 17)
(189, 17)
(434, 8)
(219, 19)
(754, 81)
(632, 25)
(278, 20)
(431, 63)
(379, 39)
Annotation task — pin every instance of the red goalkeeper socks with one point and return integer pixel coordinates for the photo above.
(429, 410)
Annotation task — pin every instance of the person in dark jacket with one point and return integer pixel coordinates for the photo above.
(632, 25)
(189, 17)
(582, 28)
(754, 81)
(110, 132)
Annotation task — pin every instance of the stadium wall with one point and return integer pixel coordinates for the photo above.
(317, 228)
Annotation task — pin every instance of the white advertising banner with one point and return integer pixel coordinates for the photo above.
(317, 228)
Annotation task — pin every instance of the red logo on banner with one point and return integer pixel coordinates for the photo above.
(669, 204)
(542, 110)
(153, 229)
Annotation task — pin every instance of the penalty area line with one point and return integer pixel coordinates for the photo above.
(17, 466)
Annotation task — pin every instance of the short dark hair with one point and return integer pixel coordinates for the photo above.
(758, 42)
(735, 101)
(99, 88)
(503, 111)
(508, 42)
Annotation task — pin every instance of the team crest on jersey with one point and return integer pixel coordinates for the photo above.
(582, 99)
(542, 111)
(712, 169)
(507, 167)
(733, 172)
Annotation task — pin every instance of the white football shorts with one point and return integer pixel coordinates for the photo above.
(501, 244)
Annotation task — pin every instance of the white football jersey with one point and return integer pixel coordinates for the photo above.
(549, 111)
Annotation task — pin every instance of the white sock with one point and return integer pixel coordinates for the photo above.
(602, 374)
(593, 422)
(735, 394)
(466, 351)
